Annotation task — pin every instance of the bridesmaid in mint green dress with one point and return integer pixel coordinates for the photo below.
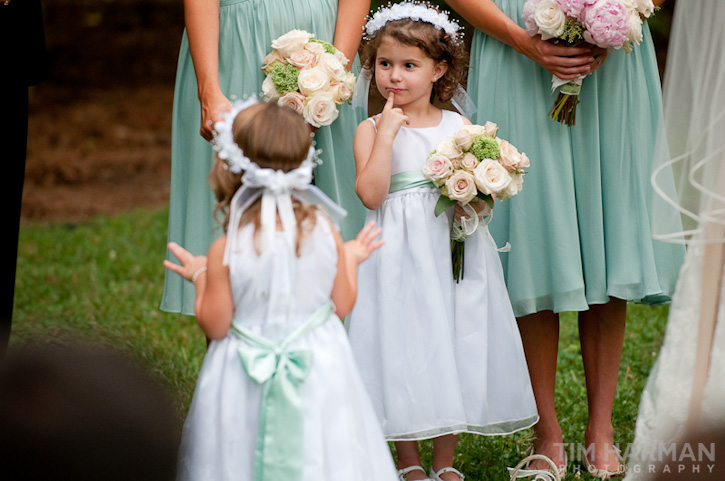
(580, 229)
(221, 54)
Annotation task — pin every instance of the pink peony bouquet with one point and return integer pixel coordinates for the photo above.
(308, 75)
(474, 163)
(604, 23)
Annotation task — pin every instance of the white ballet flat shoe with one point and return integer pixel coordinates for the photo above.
(404, 471)
(436, 476)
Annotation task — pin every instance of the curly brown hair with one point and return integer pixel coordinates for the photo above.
(273, 137)
(437, 44)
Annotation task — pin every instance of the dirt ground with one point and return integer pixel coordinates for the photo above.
(100, 127)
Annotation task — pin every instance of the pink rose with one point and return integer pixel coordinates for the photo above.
(469, 162)
(510, 156)
(606, 24)
(293, 100)
(461, 187)
(437, 169)
(528, 16)
(302, 59)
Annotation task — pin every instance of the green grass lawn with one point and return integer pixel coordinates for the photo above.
(101, 282)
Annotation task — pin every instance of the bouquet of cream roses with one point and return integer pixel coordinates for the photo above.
(604, 23)
(474, 163)
(307, 75)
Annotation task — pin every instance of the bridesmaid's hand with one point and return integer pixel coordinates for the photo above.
(599, 55)
(567, 63)
(212, 107)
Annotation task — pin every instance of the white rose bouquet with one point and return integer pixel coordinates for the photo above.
(474, 163)
(604, 23)
(307, 75)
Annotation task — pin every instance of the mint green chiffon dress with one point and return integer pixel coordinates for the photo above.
(580, 230)
(246, 31)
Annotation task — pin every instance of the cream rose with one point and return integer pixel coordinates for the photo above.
(514, 187)
(313, 81)
(510, 156)
(291, 42)
(437, 169)
(645, 7)
(461, 187)
(464, 139)
(315, 48)
(350, 80)
(475, 130)
(549, 18)
(320, 110)
(635, 28)
(302, 59)
(293, 100)
(341, 57)
(269, 90)
(524, 164)
(491, 177)
(469, 162)
(272, 59)
(332, 66)
(341, 93)
(448, 148)
(490, 129)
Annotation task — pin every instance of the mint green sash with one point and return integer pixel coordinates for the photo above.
(408, 180)
(279, 451)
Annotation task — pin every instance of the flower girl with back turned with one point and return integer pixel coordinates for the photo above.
(278, 396)
(438, 357)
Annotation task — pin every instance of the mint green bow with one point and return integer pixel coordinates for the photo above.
(279, 451)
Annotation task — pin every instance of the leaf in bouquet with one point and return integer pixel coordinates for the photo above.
(285, 78)
(487, 199)
(443, 204)
(485, 148)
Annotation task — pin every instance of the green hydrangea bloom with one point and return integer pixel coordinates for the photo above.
(485, 148)
(329, 48)
(285, 78)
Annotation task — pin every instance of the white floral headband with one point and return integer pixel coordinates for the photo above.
(275, 187)
(228, 150)
(418, 11)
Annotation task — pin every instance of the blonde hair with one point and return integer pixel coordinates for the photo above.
(435, 43)
(273, 137)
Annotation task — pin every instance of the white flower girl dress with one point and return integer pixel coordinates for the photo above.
(275, 295)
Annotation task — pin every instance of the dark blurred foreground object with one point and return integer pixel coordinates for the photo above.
(24, 63)
(697, 466)
(83, 414)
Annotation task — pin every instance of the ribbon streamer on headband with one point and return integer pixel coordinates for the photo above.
(276, 188)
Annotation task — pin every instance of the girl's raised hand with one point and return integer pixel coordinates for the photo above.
(391, 119)
(189, 262)
(360, 248)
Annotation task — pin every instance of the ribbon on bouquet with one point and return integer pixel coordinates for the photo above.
(280, 447)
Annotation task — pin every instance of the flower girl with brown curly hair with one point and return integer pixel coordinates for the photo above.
(438, 357)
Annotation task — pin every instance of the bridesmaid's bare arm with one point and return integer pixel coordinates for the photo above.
(564, 62)
(202, 29)
(351, 15)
